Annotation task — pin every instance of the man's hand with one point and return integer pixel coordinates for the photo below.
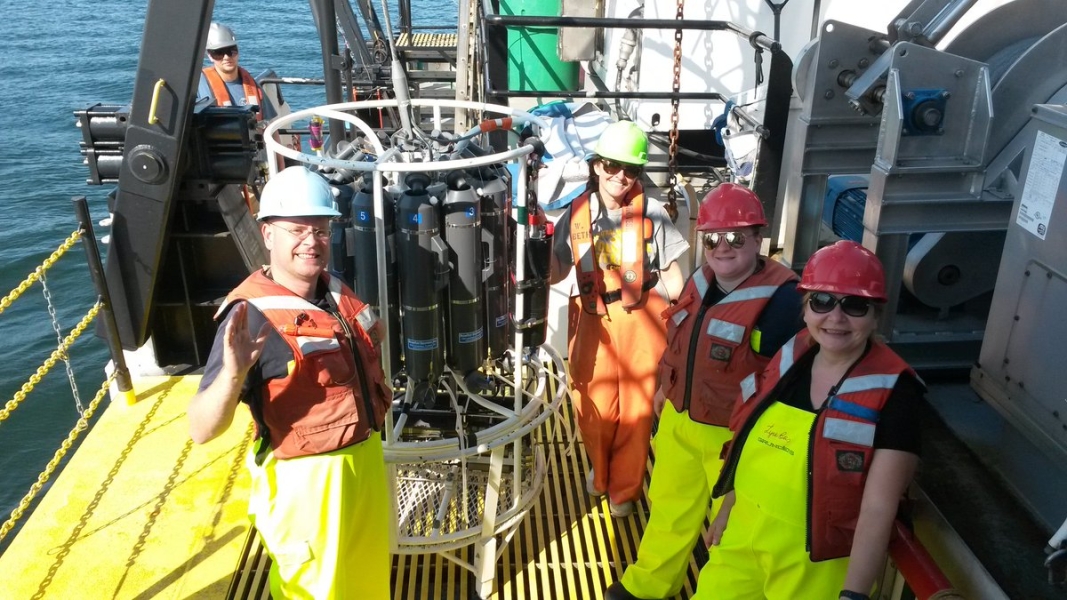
(240, 351)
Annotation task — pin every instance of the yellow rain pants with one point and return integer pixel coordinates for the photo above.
(687, 465)
(325, 521)
(762, 553)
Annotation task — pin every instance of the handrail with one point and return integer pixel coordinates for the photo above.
(919, 569)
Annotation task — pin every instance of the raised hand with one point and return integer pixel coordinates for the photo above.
(240, 349)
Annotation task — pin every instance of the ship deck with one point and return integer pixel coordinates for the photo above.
(142, 512)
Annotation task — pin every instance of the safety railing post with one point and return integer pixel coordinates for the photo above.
(96, 270)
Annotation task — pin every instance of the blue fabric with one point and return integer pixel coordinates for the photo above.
(855, 410)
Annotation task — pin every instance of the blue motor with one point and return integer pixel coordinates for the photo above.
(846, 197)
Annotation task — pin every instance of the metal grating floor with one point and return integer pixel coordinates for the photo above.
(566, 547)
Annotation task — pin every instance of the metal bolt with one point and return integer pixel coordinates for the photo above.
(1016, 317)
(828, 94)
(909, 95)
(833, 63)
(863, 63)
(958, 73)
(946, 95)
(940, 131)
(1026, 272)
(857, 106)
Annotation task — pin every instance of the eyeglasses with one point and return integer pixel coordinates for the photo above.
(853, 306)
(612, 167)
(736, 239)
(301, 233)
(218, 54)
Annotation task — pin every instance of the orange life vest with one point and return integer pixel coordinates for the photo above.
(842, 444)
(253, 95)
(335, 394)
(723, 354)
(632, 280)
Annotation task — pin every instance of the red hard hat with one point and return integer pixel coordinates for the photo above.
(730, 206)
(845, 268)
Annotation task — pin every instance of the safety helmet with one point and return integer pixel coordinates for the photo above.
(845, 268)
(220, 36)
(625, 142)
(297, 192)
(730, 206)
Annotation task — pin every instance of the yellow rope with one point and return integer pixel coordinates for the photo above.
(47, 264)
(58, 354)
(80, 426)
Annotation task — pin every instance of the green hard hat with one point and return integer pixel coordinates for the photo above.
(625, 142)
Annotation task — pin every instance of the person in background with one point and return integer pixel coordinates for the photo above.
(825, 444)
(226, 82)
(734, 314)
(299, 348)
(624, 248)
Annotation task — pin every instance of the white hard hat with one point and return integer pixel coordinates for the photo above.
(220, 36)
(297, 192)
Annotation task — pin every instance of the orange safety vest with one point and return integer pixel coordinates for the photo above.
(841, 445)
(332, 397)
(253, 95)
(723, 355)
(598, 287)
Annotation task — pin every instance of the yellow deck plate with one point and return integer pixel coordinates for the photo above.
(142, 512)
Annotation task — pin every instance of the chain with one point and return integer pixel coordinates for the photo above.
(82, 425)
(37, 273)
(48, 364)
(59, 340)
(672, 152)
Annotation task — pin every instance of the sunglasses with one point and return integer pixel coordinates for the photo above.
(612, 167)
(218, 54)
(735, 239)
(853, 306)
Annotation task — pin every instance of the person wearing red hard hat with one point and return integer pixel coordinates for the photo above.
(623, 249)
(734, 313)
(825, 443)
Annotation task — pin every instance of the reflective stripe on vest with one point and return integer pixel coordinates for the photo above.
(253, 96)
(728, 331)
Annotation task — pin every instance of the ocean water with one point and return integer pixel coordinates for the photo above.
(55, 58)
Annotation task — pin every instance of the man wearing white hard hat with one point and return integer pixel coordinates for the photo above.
(300, 350)
(226, 82)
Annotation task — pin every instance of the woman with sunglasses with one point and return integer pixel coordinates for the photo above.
(826, 442)
(735, 312)
(624, 249)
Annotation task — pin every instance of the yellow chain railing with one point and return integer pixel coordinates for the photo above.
(42, 479)
(58, 354)
(47, 264)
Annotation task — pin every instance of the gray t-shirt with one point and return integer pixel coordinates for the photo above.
(666, 245)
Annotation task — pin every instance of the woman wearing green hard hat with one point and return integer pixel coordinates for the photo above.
(624, 249)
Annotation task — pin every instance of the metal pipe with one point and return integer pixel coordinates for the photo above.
(609, 95)
(326, 22)
(96, 271)
(762, 40)
(947, 19)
